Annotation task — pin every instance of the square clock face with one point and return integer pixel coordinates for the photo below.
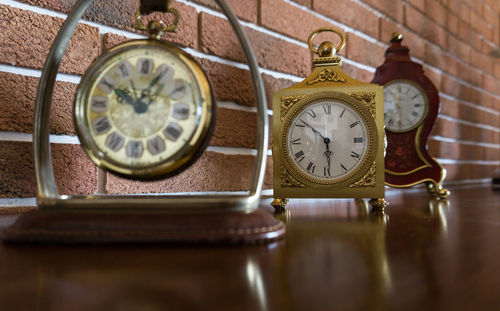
(326, 141)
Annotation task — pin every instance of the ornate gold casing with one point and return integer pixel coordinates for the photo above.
(328, 81)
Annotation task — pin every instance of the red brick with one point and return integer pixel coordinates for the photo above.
(414, 42)
(436, 12)
(458, 151)
(26, 39)
(425, 27)
(452, 23)
(272, 85)
(496, 68)
(391, 8)
(218, 38)
(229, 83)
(282, 17)
(489, 101)
(478, 23)
(357, 73)
(212, 172)
(493, 4)
(490, 16)
(235, 85)
(453, 6)
(235, 128)
(491, 84)
(455, 130)
(110, 40)
(121, 14)
(450, 86)
(443, 150)
(465, 32)
(74, 172)
(463, 112)
(246, 10)
(469, 74)
(464, 13)
(459, 48)
(419, 4)
(436, 57)
(468, 93)
(307, 3)
(496, 104)
(477, 6)
(18, 97)
(491, 154)
(364, 51)
(456, 172)
(479, 60)
(350, 13)
(434, 76)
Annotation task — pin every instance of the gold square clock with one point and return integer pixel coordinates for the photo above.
(328, 134)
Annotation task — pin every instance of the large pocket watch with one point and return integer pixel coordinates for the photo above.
(144, 109)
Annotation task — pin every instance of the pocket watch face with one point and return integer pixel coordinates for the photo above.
(405, 105)
(327, 139)
(143, 109)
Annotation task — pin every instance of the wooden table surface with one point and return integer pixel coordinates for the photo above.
(421, 255)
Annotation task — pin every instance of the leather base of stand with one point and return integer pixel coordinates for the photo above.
(110, 227)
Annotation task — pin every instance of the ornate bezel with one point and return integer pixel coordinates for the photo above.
(426, 105)
(366, 162)
(191, 150)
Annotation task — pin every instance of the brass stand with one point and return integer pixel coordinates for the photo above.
(100, 218)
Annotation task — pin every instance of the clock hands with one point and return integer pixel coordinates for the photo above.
(138, 102)
(124, 96)
(313, 129)
(328, 153)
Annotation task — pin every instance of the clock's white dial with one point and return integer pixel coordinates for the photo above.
(327, 139)
(405, 106)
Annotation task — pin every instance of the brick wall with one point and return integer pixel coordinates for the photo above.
(451, 38)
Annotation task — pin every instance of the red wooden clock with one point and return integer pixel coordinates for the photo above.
(411, 106)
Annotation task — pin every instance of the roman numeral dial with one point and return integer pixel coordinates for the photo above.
(142, 107)
(327, 139)
(405, 106)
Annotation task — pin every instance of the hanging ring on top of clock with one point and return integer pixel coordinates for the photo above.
(155, 27)
(326, 48)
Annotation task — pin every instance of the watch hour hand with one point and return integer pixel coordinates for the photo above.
(328, 153)
(125, 97)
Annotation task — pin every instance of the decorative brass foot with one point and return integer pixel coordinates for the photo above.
(437, 190)
(279, 204)
(379, 217)
(378, 204)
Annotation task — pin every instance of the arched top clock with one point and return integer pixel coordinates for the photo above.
(411, 107)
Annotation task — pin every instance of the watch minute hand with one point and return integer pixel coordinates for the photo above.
(313, 129)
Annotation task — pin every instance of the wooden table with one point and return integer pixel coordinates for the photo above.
(421, 255)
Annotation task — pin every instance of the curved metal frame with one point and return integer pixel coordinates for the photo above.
(48, 195)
